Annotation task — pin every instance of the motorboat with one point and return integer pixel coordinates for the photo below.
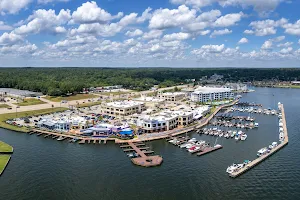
(237, 137)
(274, 144)
(189, 145)
(243, 137)
(256, 125)
(273, 112)
(226, 135)
(233, 134)
(183, 145)
(193, 149)
(193, 140)
(200, 142)
(232, 168)
(261, 151)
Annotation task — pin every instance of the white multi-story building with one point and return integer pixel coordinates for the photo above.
(206, 94)
(123, 108)
(171, 96)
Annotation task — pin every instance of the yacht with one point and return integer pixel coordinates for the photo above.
(243, 137)
(262, 151)
(231, 168)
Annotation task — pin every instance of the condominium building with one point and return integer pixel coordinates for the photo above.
(171, 96)
(164, 121)
(123, 108)
(206, 94)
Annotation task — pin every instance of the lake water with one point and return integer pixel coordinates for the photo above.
(47, 169)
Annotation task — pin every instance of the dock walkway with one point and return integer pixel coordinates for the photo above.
(263, 157)
(144, 160)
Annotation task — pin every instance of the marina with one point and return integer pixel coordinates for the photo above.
(263, 154)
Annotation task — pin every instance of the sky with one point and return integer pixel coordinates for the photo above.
(150, 33)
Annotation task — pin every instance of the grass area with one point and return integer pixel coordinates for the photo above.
(30, 102)
(5, 148)
(71, 98)
(3, 162)
(5, 117)
(89, 104)
(4, 106)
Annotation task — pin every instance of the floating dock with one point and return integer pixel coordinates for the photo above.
(263, 157)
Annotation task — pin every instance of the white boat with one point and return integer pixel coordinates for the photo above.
(189, 145)
(193, 149)
(262, 151)
(256, 124)
(183, 145)
(273, 112)
(193, 140)
(231, 168)
(226, 135)
(199, 143)
(221, 134)
(171, 141)
(237, 137)
(274, 144)
(243, 137)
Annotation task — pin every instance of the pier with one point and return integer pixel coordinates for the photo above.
(144, 160)
(264, 157)
(209, 149)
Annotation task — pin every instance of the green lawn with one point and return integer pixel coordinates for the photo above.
(30, 102)
(3, 162)
(5, 148)
(71, 98)
(7, 116)
(4, 106)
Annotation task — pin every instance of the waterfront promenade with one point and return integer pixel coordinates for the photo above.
(263, 157)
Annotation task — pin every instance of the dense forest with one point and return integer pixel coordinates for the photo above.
(59, 81)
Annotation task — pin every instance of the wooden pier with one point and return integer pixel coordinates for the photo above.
(144, 160)
(263, 157)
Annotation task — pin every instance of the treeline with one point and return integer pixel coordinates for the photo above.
(60, 81)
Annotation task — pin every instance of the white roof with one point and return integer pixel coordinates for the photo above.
(207, 90)
(124, 104)
(149, 99)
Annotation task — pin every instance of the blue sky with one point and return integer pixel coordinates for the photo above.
(156, 33)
